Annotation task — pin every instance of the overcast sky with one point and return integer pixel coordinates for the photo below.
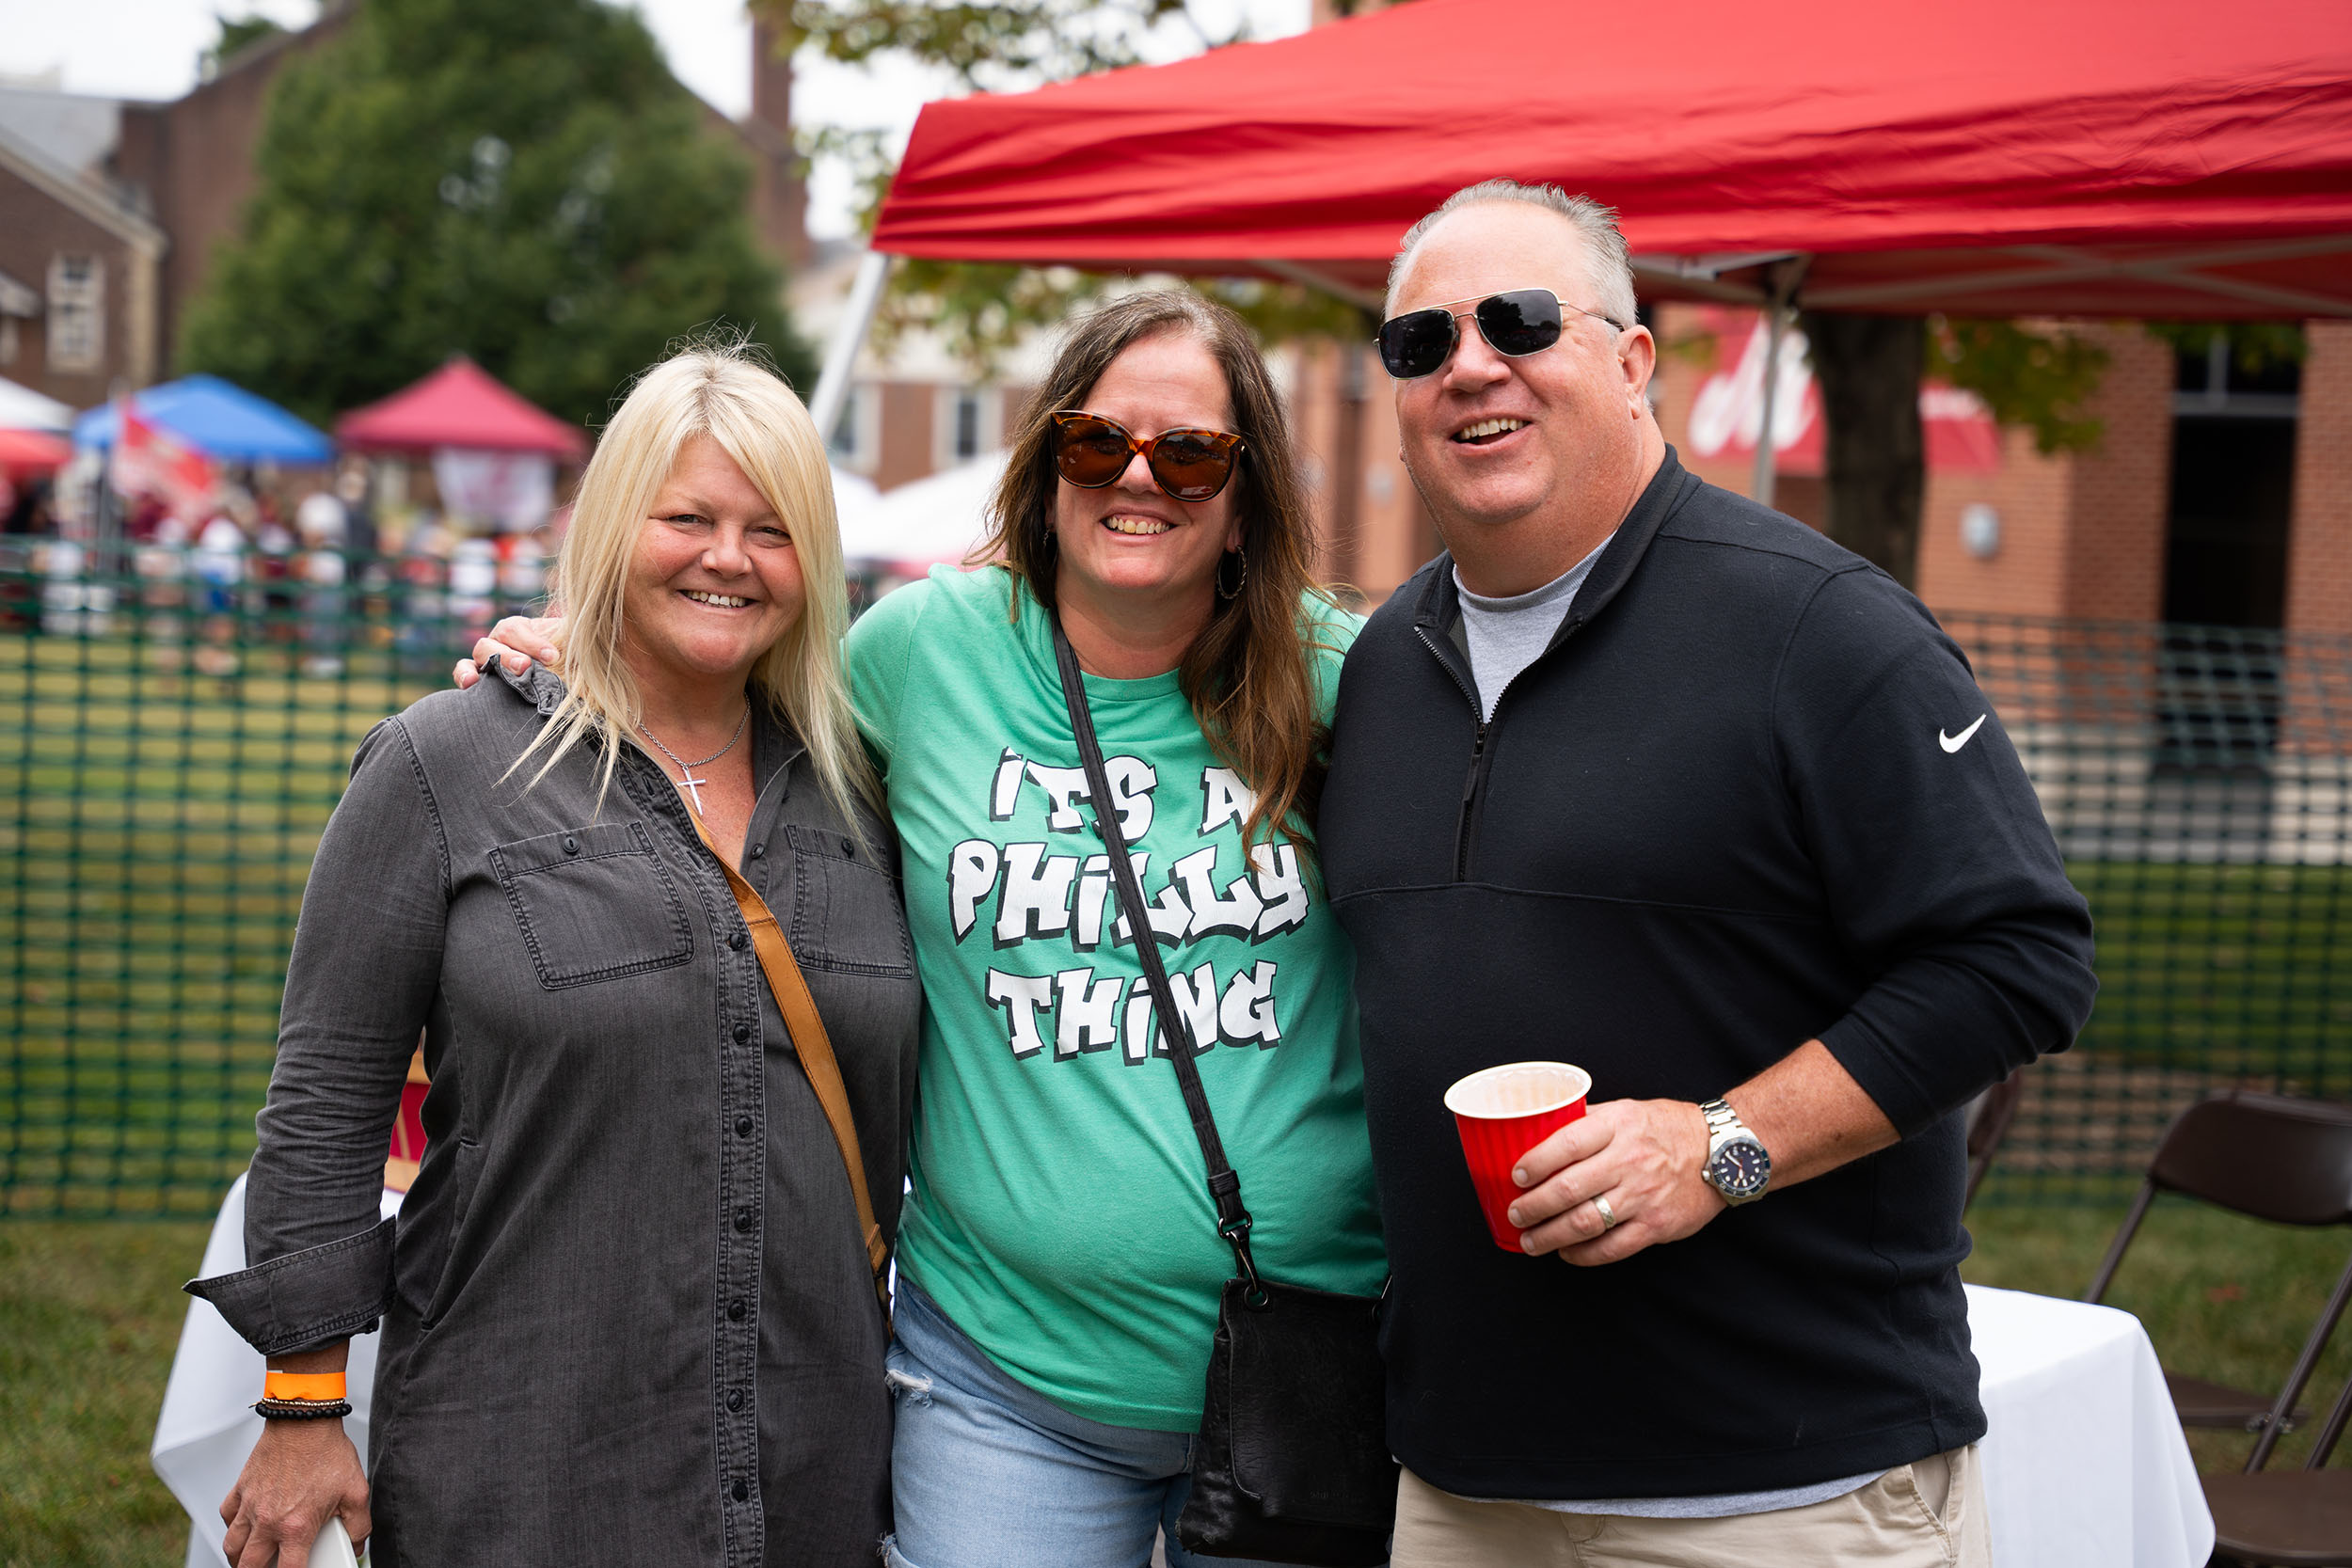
(148, 49)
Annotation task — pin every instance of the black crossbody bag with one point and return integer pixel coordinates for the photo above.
(1291, 1465)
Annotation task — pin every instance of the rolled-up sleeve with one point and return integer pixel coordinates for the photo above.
(1938, 866)
(359, 986)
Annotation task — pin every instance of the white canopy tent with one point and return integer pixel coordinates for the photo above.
(22, 408)
(933, 521)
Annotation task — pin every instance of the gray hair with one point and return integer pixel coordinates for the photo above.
(1607, 267)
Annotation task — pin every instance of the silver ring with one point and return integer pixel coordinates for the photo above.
(1608, 1216)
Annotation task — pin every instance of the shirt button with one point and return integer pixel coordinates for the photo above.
(735, 1399)
(848, 846)
(736, 939)
(742, 1127)
(735, 1309)
(571, 845)
(759, 849)
(742, 1491)
(745, 1219)
(743, 1032)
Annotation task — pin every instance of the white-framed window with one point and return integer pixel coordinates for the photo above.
(77, 312)
(965, 422)
(856, 440)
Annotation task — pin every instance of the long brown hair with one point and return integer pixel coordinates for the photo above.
(1247, 674)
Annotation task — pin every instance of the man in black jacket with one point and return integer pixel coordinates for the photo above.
(1647, 777)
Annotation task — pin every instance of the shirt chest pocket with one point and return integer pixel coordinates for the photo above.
(594, 904)
(845, 914)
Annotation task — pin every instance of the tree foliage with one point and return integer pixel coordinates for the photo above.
(523, 182)
(235, 33)
(2042, 381)
(2254, 346)
(981, 310)
(1000, 44)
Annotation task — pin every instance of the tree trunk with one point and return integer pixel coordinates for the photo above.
(1867, 368)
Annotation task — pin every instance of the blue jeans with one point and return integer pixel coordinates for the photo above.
(988, 1473)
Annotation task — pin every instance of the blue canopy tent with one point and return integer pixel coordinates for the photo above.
(222, 420)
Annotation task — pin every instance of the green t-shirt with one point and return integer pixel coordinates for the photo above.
(1061, 1214)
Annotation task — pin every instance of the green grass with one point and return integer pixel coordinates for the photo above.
(2239, 969)
(90, 1312)
(2222, 1298)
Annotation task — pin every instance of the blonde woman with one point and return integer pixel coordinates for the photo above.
(629, 1313)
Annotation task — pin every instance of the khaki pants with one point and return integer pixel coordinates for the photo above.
(1929, 1515)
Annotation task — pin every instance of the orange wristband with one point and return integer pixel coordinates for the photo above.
(319, 1387)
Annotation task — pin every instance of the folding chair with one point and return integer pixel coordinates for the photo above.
(2272, 1157)
(2287, 1518)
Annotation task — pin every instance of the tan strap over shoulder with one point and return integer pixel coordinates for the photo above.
(814, 1047)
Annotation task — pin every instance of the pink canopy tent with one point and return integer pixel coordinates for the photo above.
(462, 405)
(2001, 158)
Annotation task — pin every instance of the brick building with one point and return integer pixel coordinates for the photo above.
(2213, 496)
(81, 277)
(111, 210)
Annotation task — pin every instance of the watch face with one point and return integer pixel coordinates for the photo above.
(1739, 1168)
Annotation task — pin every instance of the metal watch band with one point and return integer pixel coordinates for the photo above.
(1723, 1126)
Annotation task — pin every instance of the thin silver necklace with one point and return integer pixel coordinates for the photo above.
(689, 784)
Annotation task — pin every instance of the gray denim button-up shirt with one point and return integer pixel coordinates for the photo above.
(626, 1314)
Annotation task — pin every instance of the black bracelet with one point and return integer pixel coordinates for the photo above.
(302, 1410)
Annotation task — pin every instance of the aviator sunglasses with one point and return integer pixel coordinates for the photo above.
(1516, 322)
(1190, 465)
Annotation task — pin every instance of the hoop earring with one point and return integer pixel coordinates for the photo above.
(1240, 577)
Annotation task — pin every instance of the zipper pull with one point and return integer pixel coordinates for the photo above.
(1478, 748)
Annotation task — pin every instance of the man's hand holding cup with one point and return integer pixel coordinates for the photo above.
(1593, 1184)
(1625, 1176)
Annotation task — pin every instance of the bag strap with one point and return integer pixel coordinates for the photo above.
(811, 1044)
(1232, 1219)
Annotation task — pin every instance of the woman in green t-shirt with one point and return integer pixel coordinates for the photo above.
(1058, 1261)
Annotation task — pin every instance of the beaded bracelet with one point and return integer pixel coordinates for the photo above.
(302, 1410)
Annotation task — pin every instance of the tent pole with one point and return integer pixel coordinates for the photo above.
(848, 336)
(1784, 275)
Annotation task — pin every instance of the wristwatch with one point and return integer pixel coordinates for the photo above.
(1738, 1165)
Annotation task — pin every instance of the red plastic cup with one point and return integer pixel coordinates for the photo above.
(1502, 1113)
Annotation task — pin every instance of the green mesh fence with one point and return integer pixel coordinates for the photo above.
(173, 735)
(2200, 783)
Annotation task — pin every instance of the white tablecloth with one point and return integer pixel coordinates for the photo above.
(2084, 1465)
(207, 1426)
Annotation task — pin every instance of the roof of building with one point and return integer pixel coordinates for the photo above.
(78, 192)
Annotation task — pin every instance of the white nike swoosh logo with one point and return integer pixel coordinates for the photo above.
(1954, 742)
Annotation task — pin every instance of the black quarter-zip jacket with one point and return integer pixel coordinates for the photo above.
(1750, 795)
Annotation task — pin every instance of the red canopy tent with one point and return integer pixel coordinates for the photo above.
(2006, 157)
(460, 405)
(32, 453)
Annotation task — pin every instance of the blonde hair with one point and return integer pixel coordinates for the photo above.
(725, 392)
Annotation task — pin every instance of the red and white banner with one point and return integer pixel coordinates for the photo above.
(1727, 414)
(150, 460)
